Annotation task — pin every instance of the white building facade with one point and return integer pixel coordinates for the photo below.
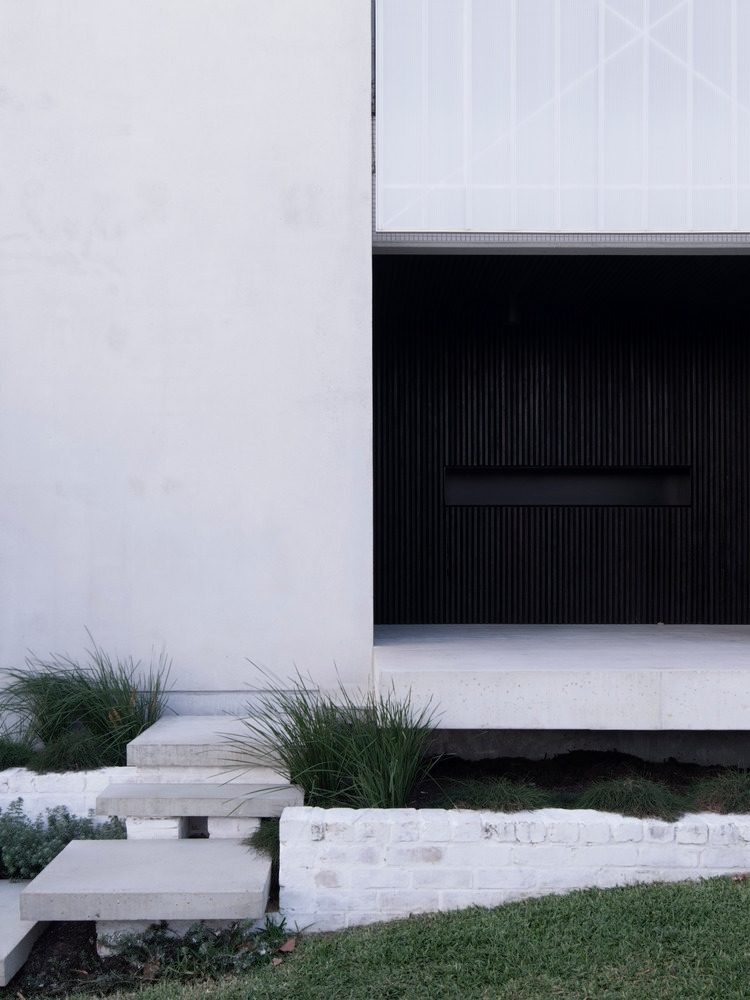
(190, 195)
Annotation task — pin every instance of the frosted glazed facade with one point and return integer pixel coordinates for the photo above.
(563, 116)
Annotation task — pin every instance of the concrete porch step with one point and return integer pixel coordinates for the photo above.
(196, 799)
(17, 936)
(150, 880)
(193, 741)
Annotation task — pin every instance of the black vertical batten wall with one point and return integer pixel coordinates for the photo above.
(491, 362)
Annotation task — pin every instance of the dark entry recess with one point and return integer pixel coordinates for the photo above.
(516, 487)
(617, 366)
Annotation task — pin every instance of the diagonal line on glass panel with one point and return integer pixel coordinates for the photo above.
(639, 37)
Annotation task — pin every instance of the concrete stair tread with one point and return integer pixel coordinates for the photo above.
(192, 741)
(150, 880)
(17, 936)
(196, 799)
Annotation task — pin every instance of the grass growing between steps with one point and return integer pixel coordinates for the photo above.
(686, 941)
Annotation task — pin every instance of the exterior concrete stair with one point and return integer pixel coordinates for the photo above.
(150, 880)
(189, 741)
(187, 814)
(196, 799)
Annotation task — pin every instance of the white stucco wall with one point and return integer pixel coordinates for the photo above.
(185, 311)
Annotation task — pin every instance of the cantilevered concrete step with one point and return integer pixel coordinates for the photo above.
(150, 880)
(17, 936)
(163, 800)
(191, 741)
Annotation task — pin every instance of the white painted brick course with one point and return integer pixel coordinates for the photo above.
(627, 830)
(691, 833)
(145, 828)
(76, 790)
(346, 867)
(231, 827)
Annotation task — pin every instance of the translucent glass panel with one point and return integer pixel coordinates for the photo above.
(563, 115)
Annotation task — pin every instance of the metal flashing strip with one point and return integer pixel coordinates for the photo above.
(464, 242)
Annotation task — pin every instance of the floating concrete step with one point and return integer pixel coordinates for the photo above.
(166, 800)
(192, 741)
(17, 936)
(152, 880)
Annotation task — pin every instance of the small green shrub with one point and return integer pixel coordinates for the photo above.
(726, 792)
(27, 846)
(84, 715)
(14, 753)
(633, 796)
(496, 794)
(201, 953)
(340, 751)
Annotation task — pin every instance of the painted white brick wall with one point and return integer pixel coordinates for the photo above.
(77, 790)
(344, 867)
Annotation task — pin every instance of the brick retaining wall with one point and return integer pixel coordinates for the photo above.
(343, 867)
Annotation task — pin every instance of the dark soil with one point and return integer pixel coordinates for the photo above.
(64, 960)
(567, 774)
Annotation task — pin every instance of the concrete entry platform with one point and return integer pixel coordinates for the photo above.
(17, 936)
(622, 677)
(151, 880)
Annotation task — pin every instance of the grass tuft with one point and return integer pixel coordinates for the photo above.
(14, 753)
(83, 715)
(265, 840)
(725, 792)
(495, 794)
(340, 751)
(633, 796)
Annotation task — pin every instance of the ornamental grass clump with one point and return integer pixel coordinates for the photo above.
(342, 751)
(633, 796)
(725, 792)
(83, 715)
(497, 794)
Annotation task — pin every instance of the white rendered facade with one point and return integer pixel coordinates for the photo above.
(185, 309)
(185, 282)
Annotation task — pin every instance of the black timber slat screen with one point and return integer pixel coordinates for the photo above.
(561, 364)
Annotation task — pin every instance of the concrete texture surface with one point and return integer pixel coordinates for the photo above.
(191, 741)
(230, 800)
(17, 936)
(150, 880)
(625, 677)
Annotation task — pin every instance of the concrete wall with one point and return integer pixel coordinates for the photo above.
(344, 867)
(185, 311)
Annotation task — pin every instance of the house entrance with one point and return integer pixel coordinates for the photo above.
(561, 440)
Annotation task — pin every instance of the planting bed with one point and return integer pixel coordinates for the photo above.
(561, 780)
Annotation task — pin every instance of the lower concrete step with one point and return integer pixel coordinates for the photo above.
(17, 936)
(166, 800)
(152, 880)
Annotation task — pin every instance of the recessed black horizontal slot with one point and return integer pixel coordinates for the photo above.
(566, 487)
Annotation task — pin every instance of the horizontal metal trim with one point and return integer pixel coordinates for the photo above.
(457, 242)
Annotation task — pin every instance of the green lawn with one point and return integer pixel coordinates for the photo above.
(687, 941)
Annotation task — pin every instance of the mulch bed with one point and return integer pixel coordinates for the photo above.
(567, 774)
(64, 960)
